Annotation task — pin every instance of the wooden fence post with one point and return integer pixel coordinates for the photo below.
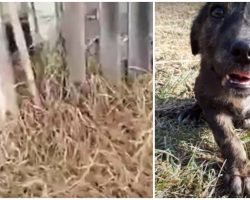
(24, 56)
(140, 17)
(110, 38)
(74, 34)
(8, 98)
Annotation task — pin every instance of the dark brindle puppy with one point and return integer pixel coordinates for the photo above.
(221, 34)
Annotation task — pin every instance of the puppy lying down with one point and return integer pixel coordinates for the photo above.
(221, 35)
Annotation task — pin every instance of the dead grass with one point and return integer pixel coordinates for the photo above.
(92, 144)
(187, 160)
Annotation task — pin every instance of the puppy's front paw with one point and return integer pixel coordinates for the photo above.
(246, 123)
(191, 115)
(238, 181)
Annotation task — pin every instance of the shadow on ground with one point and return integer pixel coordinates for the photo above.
(187, 159)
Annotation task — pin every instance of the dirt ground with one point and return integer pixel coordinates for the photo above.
(188, 162)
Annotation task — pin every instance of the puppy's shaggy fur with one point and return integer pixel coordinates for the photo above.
(221, 35)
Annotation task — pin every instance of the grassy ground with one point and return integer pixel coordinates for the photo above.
(187, 159)
(97, 142)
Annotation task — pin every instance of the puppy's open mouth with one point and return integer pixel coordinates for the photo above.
(239, 80)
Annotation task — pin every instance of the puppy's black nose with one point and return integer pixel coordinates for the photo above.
(240, 51)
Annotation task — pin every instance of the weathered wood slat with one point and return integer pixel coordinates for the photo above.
(74, 34)
(140, 26)
(122, 35)
(8, 98)
(24, 55)
(110, 51)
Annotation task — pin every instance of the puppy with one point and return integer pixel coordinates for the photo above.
(221, 35)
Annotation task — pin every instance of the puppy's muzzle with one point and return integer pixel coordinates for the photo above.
(240, 50)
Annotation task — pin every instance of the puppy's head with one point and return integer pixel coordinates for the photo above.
(221, 34)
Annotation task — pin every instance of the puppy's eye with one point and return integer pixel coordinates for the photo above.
(218, 12)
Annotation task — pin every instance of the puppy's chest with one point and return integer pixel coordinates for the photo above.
(239, 108)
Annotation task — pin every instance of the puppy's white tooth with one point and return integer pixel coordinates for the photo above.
(235, 82)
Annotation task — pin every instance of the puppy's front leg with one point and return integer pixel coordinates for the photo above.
(231, 148)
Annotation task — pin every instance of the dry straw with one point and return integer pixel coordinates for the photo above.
(95, 143)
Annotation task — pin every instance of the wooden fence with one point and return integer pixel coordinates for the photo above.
(120, 34)
(124, 33)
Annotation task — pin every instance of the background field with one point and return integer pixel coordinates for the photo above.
(187, 159)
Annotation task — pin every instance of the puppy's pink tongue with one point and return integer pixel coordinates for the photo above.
(239, 77)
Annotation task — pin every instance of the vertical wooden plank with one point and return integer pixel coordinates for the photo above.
(110, 55)
(74, 34)
(24, 56)
(140, 22)
(8, 99)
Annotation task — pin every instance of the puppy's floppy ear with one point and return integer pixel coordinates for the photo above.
(196, 30)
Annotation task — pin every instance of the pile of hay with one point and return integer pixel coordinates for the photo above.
(91, 144)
